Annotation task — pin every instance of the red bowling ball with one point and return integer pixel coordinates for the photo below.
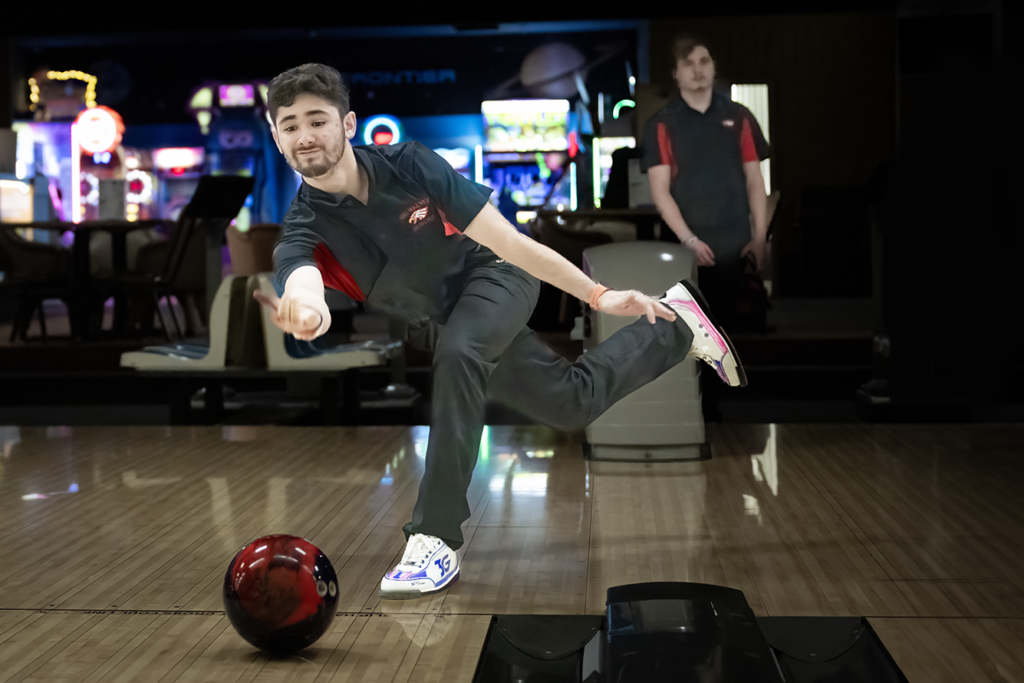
(281, 593)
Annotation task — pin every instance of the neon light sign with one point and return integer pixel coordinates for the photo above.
(372, 135)
(99, 129)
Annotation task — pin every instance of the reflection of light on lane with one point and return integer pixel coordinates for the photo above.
(752, 507)
(277, 498)
(134, 482)
(766, 465)
(43, 496)
(420, 436)
(523, 483)
(387, 479)
(220, 510)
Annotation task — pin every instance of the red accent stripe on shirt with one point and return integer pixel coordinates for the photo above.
(449, 229)
(747, 147)
(334, 275)
(665, 146)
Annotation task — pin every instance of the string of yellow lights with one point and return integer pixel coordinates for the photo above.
(88, 79)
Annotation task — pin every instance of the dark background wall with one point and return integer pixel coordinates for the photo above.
(149, 79)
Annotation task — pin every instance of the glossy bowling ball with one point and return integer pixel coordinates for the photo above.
(281, 593)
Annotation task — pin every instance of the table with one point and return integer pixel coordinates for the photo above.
(645, 219)
(78, 315)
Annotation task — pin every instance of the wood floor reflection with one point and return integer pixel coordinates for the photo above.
(116, 541)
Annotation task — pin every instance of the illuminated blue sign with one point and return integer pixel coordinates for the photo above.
(402, 77)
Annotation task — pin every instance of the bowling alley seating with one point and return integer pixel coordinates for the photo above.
(242, 336)
(34, 272)
(186, 356)
(174, 267)
(664, 419)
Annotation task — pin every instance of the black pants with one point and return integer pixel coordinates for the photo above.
(484, 350)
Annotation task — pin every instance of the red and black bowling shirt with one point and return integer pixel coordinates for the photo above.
(706, 152)
(404, 250)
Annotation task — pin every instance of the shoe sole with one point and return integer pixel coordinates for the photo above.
(702, 302)
(412, 595)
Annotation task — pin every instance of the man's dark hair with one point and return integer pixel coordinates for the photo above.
(684, 44)
(312, 79)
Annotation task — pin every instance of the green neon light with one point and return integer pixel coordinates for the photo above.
(619, 105)
(203, 99)
(545, 172)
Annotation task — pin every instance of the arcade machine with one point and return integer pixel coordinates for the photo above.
(232, 116)
(235, 119)
(528, 154)
(453, 137)
(177, 171)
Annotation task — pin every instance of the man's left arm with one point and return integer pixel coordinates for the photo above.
(491, 230)
(754, 150)
(758, 199)
(465, 208)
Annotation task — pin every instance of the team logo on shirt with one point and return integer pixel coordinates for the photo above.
(417, 213)
(728, 123)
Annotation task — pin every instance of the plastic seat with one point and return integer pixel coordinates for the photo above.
(188, 356)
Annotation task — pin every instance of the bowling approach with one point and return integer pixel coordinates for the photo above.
(281, 593)
(281, 596)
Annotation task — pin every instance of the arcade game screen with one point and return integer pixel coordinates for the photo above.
(526, 125)
(526, 153)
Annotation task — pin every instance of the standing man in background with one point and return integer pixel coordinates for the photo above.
(702, 153)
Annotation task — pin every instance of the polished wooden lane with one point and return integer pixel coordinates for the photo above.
(955, 650)
(116, 541)
(375, 648)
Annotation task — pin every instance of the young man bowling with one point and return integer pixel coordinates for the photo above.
(395, 226)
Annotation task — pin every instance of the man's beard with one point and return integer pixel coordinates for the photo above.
(327, 160)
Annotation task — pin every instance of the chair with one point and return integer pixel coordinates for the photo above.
(189, 283)
(36, 272)
(158, 285)
(217, 200)
(185, 356)
(252, 251)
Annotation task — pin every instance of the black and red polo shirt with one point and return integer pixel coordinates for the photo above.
(706, 152)
(404, 250)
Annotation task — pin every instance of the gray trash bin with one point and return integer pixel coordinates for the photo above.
(663, 420)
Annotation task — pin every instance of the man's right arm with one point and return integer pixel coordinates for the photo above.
(302, 310)
(660, 179)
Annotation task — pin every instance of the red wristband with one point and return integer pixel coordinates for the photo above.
(595, 295)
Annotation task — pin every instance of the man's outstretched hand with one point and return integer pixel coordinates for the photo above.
(632, 302)
(293, 316)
